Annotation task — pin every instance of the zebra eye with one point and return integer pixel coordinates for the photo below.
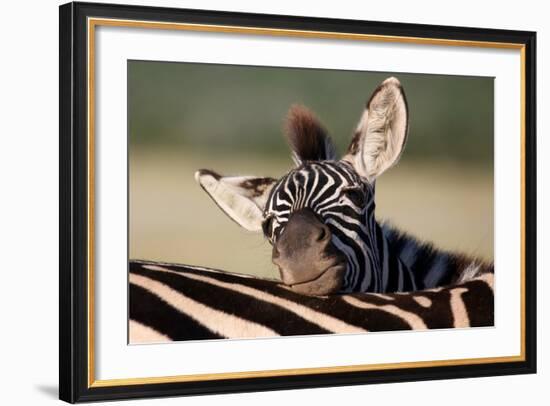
(356, 196)
(267, 226)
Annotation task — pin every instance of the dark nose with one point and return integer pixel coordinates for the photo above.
(304, 250)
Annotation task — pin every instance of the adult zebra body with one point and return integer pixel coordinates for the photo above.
(170, 302)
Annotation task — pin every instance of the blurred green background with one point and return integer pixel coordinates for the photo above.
(185, 116)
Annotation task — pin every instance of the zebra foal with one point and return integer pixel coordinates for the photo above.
(320, 216)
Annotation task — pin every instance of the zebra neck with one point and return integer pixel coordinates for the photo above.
(378, 268)
(395, 274)
(430, 267)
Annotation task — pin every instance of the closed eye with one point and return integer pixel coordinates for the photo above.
(267, 226)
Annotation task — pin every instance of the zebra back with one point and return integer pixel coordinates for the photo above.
(170, 302)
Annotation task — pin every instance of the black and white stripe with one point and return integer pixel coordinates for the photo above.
(170, 302)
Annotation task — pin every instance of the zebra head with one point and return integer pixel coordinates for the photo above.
(319, 217)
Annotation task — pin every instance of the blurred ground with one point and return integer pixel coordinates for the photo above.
(172, 219)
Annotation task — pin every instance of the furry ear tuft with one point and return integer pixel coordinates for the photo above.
(307, 138)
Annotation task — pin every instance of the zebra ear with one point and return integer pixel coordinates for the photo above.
(307, 138)
(242, 198)
(382, 131)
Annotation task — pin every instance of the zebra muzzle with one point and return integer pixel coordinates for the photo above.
(328, 282)
(308, 262)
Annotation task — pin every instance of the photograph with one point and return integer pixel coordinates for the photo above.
(273, 201)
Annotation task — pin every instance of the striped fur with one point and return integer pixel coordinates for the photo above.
(171, 302)
(431, 267)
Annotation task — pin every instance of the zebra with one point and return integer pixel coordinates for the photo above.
(170, 302)
(320, 216)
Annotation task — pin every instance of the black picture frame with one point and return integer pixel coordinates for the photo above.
(74, 200)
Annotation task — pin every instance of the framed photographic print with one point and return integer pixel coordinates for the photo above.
(257, 202)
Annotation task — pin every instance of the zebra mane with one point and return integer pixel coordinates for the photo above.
(307, 137)
(427, 261)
